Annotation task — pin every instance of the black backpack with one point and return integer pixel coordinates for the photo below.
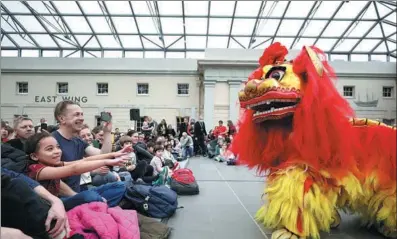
(152, 201)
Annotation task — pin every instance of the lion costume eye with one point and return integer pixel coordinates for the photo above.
(277, 74)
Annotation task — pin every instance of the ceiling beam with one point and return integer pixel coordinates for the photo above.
(158, 19)
(298, 35)
(189, 16)
(111, 24)
(13, 18)
(192, 34)
(66, 24)
(282, 19)
(157, 49)
(355, 21)
(137, 27)
(9, 38)
(89, 24)
(184, 29)
(381, 26)
(35, 14)
(231, 25)
(257, 21)
(208, 23)
(329, 20)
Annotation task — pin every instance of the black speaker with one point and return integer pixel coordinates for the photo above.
(134, 114)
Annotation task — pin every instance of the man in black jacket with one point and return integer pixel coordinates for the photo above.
(199, 135)
(183, 127)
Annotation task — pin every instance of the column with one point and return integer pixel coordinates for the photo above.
(234, 88)
(193, 113)
(209, 101)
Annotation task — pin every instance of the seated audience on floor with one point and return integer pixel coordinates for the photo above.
(170, 132)
(98, 134)
(158, 164)
(146, 129)
(143, 169)
(169, 157)
(162, 128)
(6, 132)
(176, 148)
(225, 155)
(150, 148)
(100, 175)
(231, 129)
(127, 170)
(220, 130)
(140, 148)
(141, 138)
(23, 129)
(25, 200)
(186, 145)
(46, 167)
(70, 118)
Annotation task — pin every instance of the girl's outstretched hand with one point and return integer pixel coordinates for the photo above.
(121, 161)
(128, 149)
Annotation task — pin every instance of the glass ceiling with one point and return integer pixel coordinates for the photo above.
(346, 30)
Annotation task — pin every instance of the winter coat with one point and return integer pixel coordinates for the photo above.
(96, 220)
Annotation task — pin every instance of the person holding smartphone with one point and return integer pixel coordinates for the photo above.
(70, 117)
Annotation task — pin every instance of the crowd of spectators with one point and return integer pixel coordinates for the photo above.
(69, 164)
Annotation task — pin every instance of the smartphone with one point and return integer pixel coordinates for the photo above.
(43, 126)
(106, 116)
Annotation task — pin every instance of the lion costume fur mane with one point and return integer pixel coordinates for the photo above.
(318, 160)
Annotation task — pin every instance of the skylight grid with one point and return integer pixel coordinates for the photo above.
(342, 29)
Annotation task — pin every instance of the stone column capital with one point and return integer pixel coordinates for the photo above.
(209, 83)
(234, 82)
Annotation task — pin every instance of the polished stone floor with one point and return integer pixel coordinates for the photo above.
(228, 200)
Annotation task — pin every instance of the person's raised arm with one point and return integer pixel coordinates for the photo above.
(142, 151)
(107, 138)
(49, 173)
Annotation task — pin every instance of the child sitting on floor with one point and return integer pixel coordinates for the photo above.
(46, 167)
(225, 154)
(159, 166)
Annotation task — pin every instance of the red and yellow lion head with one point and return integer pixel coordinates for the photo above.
(292, 112)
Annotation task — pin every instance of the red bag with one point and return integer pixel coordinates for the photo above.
(183, 175)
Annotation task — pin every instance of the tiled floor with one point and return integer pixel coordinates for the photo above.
(228, 200)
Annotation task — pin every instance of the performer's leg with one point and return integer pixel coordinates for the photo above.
(298, 204)
(380, 208)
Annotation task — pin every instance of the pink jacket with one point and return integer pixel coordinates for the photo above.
(96, 221)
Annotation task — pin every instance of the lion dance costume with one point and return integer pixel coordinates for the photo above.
(297, 128)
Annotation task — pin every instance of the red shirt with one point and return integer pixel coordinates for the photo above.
(52, 185)
(220, 130)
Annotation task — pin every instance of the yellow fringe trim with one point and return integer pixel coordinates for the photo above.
(285, 198)
(378, 207)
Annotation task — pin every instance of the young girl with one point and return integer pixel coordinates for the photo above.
(158, 164)
(167, 155)
(224, 154)
(46, 167)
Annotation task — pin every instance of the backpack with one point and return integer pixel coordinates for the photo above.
(184, 183)
(152, 201)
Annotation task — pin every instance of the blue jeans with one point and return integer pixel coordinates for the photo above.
(112, 192)
(126, 175)
(98, 179)
(187, 151)
(81, 198)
